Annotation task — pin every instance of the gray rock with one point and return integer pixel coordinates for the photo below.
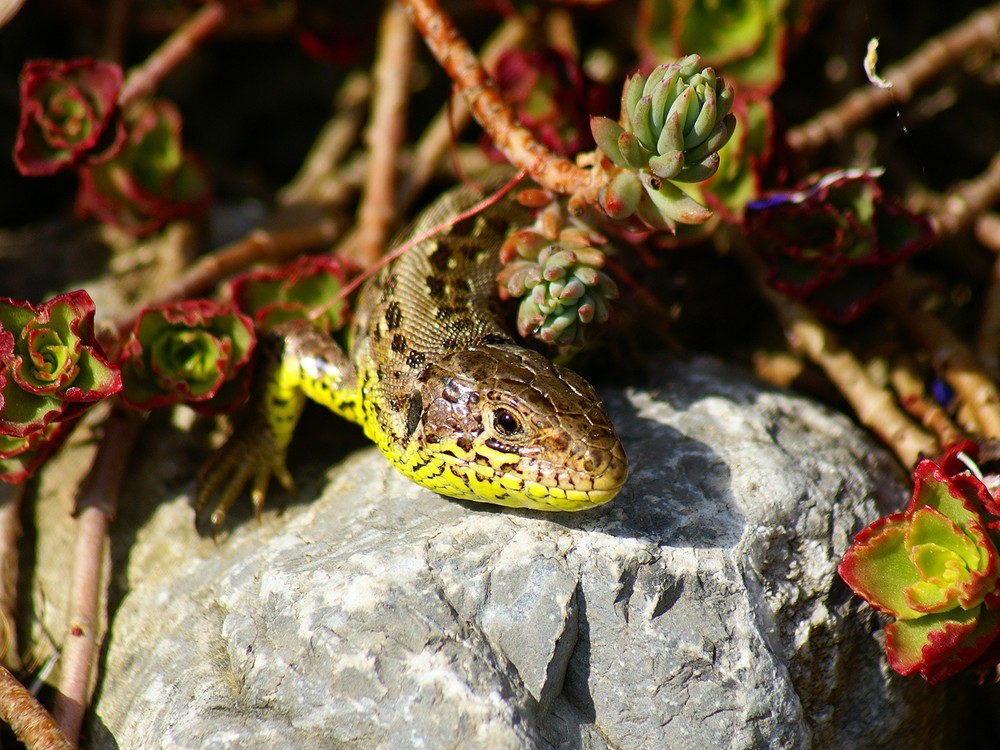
(699, 610)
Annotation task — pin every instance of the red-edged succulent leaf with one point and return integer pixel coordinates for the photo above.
(940, 645)
(151, 180)
(834, 241)
(308, 289)
(935, 568)
(878, 568)
(54, 366)
(21, 456)
(192, 352)
(69, 114)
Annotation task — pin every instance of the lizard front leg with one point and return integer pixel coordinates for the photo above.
(297, 361)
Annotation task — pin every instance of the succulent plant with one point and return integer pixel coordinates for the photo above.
(69, 114)
(834, 240)
(307, 288)
(747, 40)
(559, 278)
(672, 125)
(51, 366)
(151, 180)
(20, 456)
(192, 352)
(935, 568)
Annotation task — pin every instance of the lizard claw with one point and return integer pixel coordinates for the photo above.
(248, 457)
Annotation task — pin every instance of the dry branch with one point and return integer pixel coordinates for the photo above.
(981, 29)
(952, 358)
(32, 724)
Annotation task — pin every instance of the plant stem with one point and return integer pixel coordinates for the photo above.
(452, 119)
(875, 406)
(143, 79)
(952, 358)
(384, 135)
(988, 336)
(115, 25)
(96, 506)
(516, 142)
(32, 724)
(11, 496)
(980, 29)
(333, 143)
(259, 245)
(968, 200)
(908, 383)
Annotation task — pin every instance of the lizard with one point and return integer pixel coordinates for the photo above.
(437, 383)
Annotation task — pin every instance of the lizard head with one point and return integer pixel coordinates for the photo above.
(506, 426)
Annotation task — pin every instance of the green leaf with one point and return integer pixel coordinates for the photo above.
(878, 567)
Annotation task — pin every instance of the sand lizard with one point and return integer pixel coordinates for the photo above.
(437, 383)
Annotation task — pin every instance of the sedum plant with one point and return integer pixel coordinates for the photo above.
(52, 369)
(52, 366)
(934, 568)
(673, 123)
(834, 240)
(308, 288)
(151, 180)
(69, 114)
(194, 352)
(556, 271)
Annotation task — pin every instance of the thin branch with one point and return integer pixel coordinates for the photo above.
(333, 143)
(259, 245)
(875, 406)
(115, 26)
(384, 135)
(143, 79)
(988, 336)
(96, 507)
(32, 724)
(968, 200)
(434, 142)
(908, 383)
(11, 496)
(952, 358)
(981, 29)
(516, 142)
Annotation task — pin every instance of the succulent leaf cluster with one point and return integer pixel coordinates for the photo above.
(673, 123)
(834, 240)
(194, 352)
(151, 180)
(935, 569)
(69, 114)
(308, 288)
(748, 40)
(51, 370)
(557, 274)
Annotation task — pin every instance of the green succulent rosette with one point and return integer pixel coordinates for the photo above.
(52, 366)
(560, 283)
(194, 352)
(672, 125)
(935, 569)
(746, 39)
(308, 288)
(152, 180)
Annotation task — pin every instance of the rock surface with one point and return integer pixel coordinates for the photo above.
(699, 610)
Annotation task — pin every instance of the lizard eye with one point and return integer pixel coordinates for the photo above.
(506, 423)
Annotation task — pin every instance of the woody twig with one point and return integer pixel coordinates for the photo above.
(981, 29)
